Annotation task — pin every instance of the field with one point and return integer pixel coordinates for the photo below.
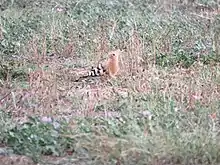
(161, 109)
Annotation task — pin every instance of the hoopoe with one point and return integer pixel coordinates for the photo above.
(109, 67)
(113, 63)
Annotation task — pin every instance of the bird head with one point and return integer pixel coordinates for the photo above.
(114, 54)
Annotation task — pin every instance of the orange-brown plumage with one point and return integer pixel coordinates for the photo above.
(113, 63)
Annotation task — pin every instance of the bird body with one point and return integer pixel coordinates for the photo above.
(113, 63)
(109, 67)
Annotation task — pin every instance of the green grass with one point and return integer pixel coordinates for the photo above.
(161, 109)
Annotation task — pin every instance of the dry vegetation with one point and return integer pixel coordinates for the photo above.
(161, 109)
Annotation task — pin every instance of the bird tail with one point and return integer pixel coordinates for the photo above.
(94, 72)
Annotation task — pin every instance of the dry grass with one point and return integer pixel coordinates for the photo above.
(106, 109)
(51, 87)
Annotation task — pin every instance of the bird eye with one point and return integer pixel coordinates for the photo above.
(113, 54)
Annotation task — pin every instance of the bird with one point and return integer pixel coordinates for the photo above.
(113, 63)
(108, 67)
